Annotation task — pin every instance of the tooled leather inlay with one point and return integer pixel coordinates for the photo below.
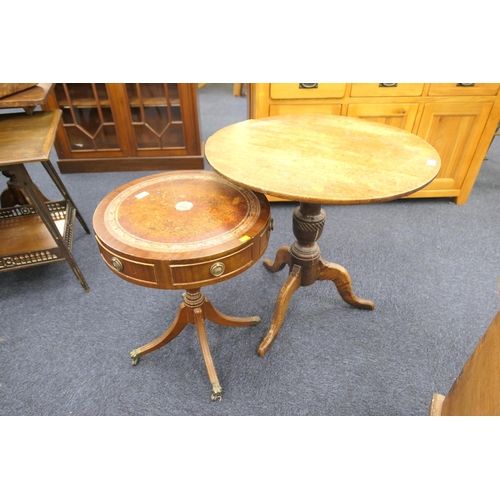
(181, 212)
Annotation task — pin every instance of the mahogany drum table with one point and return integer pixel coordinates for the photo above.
(315, 160)
(183, 230)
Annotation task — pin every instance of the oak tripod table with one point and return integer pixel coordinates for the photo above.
(183, 230)
(315, 160)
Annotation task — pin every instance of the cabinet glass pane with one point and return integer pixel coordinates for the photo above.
(106, 138)
(156, 115)
(87, 116)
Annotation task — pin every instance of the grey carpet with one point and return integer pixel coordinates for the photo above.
(430, 266)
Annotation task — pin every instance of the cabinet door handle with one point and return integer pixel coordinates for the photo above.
(387, 84)
(308, 85)
(465, 84)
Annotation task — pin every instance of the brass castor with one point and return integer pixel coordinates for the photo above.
(217, 392)
(135, 355)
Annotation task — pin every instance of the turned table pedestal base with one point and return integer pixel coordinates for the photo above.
(306, 267)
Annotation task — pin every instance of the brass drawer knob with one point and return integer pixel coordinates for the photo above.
(217, 269)
(116, 263)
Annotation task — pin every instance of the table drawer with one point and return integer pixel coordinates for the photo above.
(386, 89)
(451, 89)
(211, 271)
(307, 90)
(141, 273)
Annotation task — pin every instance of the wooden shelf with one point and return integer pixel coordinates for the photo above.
(85, 103)
(154, 101)
(26, 241)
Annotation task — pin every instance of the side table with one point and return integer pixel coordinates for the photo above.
(34, 230)
(315, 160)
(183, 230)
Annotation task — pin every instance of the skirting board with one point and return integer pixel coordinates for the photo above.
(130, 164)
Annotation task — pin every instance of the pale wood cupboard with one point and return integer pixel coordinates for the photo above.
(458, 119)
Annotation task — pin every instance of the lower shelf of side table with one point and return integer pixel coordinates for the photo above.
(25, 241)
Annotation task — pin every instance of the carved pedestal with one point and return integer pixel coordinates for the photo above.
(306, 267)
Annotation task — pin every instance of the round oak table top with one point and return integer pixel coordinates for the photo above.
(323, 158)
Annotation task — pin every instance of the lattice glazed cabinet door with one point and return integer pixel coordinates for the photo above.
(88, 119)
(156, 116)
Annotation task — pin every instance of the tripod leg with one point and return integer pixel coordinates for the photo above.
(288, 288)
(342, 280)
(202, 336)
(282, 258)
(180, 321)
(212, 314)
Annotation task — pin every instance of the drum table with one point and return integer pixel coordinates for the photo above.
(317, 159)
(183, 230)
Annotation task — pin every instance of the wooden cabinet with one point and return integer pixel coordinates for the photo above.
(127, 126)
(455, 130)
(458, 119)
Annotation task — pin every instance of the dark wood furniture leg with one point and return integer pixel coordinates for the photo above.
(306, 267)
(33, 193)
(15, 194)
(62, 189)
(195, 309)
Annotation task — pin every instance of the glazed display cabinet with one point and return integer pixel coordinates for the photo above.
(458, 119)
(127, 126)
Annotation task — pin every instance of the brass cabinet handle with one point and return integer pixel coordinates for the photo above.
(217, 269)
(308, 85)
(117, 264)
(387, 84)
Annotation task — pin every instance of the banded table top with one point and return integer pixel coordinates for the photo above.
(178, 214)
(323, 158)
